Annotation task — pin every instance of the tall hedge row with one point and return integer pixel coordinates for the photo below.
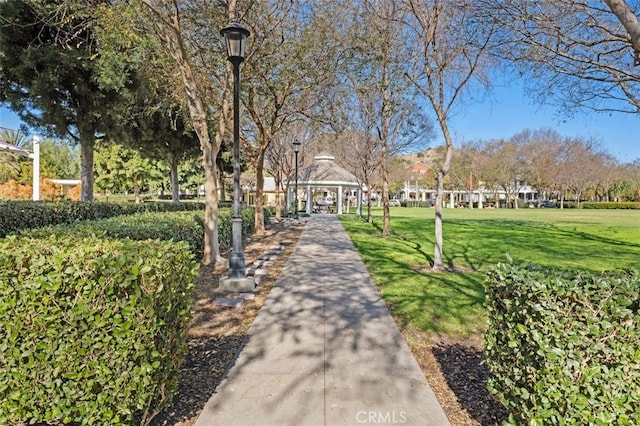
(18, 215)
(563, 346)
(92, 331)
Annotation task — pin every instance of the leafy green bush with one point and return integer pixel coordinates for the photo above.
(225, 225)
(18, 215)
(563, 346)
(92, 331)
(176, 226)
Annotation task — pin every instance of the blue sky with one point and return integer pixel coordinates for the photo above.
(507, 111)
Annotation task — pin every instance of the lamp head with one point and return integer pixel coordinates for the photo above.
(236, 37)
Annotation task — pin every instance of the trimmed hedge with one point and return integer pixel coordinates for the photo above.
(176, 226)
(92, 331)
(563, 346)
(629, 205)
(18, 215)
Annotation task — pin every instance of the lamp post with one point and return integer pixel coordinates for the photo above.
(296, 149)
(236, 37)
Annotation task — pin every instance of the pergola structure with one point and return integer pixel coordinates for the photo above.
(325, 176)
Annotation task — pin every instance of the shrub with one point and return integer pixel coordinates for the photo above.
(225, 225)
(611, 205)
(176, 226)
(18, 215)
(92, 331)
(12, 190)
(563, 346)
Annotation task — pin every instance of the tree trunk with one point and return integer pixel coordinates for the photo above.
(87, 143)
(222, 196)
(173, 177)
(386, 228)
(259, 216)
(438, 264)
(278, 182)
(437, 252)
(197, 112)
(136, 191)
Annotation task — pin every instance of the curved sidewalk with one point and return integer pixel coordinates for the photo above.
(324, 349)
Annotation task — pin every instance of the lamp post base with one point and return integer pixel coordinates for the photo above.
(238, 285)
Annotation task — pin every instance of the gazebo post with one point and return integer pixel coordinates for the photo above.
(309, 200)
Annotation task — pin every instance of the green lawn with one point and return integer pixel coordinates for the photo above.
(452, 303)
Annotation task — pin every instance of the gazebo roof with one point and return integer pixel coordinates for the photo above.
(324, 171)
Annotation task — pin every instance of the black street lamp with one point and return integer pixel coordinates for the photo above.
(236, 38)
(296, 149)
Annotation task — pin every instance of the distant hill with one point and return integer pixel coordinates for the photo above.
(429, 157)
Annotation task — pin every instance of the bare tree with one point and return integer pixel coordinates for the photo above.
(359, 152)
(378, 93)
(285, 69)
(540, 153)
(581, 53)
(577, 173)
(465, 167)
(452, 44)
(608, 173)
(169, 24)
(506, 168)
(280, 160)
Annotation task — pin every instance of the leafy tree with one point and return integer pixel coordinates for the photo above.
(153, 120)
(11, 162)
(120, 169)
(49, 74)
(59, 159)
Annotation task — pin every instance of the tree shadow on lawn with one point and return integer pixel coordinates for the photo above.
(467, 376)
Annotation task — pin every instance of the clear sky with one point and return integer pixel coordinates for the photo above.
(507, 111)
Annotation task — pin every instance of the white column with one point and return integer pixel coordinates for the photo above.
(340, 199)
(287, 200)
(359, 202)
(36, 168)
(309, 201)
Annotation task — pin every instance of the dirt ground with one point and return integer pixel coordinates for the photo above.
(452, 366)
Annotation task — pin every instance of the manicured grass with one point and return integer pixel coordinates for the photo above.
(452, 303)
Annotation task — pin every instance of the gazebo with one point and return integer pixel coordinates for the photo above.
(326, 182)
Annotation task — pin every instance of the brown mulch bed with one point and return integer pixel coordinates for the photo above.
(452, 366)
(454, 369)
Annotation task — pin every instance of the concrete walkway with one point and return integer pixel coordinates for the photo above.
(324, 349)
